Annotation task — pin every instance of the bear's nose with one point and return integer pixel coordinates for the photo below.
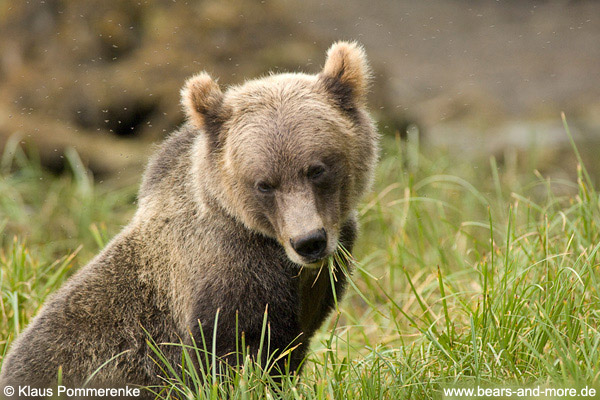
(312, 245)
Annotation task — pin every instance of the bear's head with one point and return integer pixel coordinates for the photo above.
(289, 155)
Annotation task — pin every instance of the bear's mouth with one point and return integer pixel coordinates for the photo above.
(304, 262)
(317, 263)
(312, 255)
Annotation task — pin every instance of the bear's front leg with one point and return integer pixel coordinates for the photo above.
(262, 327)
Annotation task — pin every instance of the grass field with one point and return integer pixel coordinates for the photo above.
(470, 273)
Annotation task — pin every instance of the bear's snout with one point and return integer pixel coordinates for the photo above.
(311, 246)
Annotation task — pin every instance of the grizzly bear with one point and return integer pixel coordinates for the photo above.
(238, 211)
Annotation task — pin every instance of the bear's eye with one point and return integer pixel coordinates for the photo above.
(315, 172)
(265, 187)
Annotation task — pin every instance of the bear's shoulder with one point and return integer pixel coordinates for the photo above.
(168, 159)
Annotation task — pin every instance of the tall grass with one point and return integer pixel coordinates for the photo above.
(468, 273)
(49, 226)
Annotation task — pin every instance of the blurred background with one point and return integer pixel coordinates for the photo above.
(476, 78)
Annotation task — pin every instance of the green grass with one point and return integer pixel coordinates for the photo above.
(469, 273)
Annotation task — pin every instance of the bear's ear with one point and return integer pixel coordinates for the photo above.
(202, 100)
(346, 73)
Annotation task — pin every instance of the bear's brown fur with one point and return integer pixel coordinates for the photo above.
(236, 210)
